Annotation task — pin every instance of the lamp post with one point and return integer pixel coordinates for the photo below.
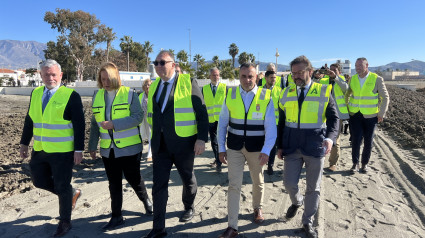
(277, 55)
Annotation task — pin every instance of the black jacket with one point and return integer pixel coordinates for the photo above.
(309, 141)
(164, 122)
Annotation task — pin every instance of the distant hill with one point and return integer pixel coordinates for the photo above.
(414, 65)
(20, 54)
(263, 65)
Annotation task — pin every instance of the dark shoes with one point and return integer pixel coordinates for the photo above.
(148, 206)
(363, 169)
(258, 216)
(187, 215)
(229, 233)
(270, 170)
(75, 196)
(218, 168)
(311, 233)
(113, 223)
(63, 228)
(292, 211)
(354, 168)
(156, 233)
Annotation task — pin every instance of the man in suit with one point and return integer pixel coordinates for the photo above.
(308, 126)
(179, 121)
(214, 94)
(368, 105)
(56, 121)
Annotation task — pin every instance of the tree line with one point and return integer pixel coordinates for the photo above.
(80, 34)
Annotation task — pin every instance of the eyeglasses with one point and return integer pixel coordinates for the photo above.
(162, 62)
(301, 72)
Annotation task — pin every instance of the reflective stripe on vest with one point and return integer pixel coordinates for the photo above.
(214, 103)
(120, 109)
(51, 132)
(338, 96)
(364, 99)
(313, 108)
(184, 115)
(242, 123)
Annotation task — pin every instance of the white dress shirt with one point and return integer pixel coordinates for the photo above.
(167, 95)
(269, 122)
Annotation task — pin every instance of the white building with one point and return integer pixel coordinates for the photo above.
(345, 66)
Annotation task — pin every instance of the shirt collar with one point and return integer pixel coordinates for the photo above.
(53, 90)
(306, 86)
(367, 75)
(215, 84)
(171, 80)
(253, 90)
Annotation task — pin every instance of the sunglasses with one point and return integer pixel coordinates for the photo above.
(162, 62)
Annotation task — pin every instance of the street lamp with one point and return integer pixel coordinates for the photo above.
(277, 55)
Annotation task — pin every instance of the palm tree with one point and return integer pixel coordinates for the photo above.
(197, 58)
(182, 56)
(148, 48)
(127, 45)
(233, 51)
(216, 60)
(171, 51)
(243, 58)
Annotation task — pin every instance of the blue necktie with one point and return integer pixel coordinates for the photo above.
(46, 99)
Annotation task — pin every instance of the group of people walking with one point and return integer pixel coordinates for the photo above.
(291, 116)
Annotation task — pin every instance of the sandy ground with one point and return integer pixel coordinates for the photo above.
(389, 201)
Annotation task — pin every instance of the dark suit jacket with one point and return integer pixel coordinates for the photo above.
(164, 122)
(309, 141)
(73, 112)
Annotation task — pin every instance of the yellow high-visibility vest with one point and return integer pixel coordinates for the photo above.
(278, 81)
(51, 132)
(339, 97)
(313, 110)
(120, 109)
(246, 129)
(212, 102)
(364, 99)
(184, 114)
(275, 93)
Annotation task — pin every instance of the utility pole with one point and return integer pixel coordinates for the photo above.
(190, 49)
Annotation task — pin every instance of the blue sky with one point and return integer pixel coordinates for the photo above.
(382, 31)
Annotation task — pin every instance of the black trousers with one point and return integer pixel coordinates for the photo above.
(53, 172)
(163, 160)
(115, 168)
(361, 127)
(272, 156)
(212, 128)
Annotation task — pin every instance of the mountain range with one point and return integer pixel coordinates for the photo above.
(26, 54)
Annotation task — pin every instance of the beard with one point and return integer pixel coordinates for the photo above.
(300, 82)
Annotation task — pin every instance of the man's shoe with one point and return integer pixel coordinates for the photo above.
(113, 223)
(258, 216)
(292, 211)
(332, 168)
(354, 168)
(76, 195)
(229, 233)
(63, 228)
(363, 169)
(213, 165)
(148, 206)
(218, 168)
(311, 233)
(187, 215)
(156, 233)
(270, 170)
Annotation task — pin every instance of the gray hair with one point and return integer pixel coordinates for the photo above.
(271, 67)
(362, 59)
(50, 63)
(166, 52)
(248, 65)
(214, 69)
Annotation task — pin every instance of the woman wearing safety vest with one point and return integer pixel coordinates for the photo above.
(116, 118)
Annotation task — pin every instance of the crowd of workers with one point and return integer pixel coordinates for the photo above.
(298, 117)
